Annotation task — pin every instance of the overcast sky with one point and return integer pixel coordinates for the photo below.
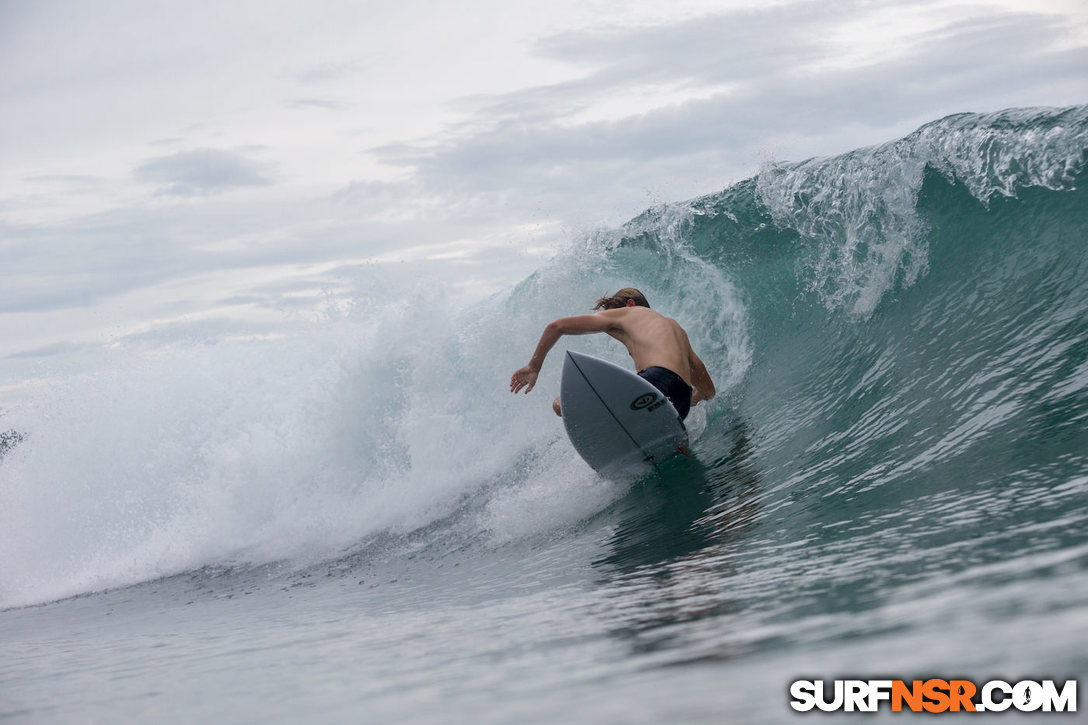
(170, 169)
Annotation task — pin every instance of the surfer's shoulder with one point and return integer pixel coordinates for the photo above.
(617, 313)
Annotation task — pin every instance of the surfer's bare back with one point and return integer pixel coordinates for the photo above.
(658, 345)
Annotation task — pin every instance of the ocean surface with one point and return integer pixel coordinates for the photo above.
(359, 523)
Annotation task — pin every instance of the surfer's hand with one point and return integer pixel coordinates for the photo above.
(523, 378)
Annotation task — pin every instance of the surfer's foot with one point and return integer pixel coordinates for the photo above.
(555, 407)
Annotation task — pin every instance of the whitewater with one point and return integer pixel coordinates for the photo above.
(359, 522)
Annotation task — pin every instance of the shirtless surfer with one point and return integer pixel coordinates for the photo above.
(658, 345)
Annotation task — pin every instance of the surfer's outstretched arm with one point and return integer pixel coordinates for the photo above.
(525, 377)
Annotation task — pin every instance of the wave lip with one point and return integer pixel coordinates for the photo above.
(860, 209)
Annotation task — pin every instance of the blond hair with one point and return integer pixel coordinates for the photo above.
(620, 299)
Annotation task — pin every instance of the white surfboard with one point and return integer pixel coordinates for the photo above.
(614, 418)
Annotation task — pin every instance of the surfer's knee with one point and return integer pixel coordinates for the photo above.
(556, 408)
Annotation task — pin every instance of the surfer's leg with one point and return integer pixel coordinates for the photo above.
(555, 407)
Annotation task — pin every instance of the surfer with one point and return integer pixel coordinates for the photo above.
(658, 345)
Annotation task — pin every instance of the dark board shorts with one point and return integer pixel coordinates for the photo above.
(672, 385)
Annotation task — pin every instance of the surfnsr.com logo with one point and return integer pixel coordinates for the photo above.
(933, 695)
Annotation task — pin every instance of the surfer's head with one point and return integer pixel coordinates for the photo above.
(621, 298)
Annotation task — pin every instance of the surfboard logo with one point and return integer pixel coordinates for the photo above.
(643, 400)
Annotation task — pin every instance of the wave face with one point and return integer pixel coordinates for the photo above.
(899, 335)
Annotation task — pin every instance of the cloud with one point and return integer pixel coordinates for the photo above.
(316, 103)
(82, 262)
(327, 72)
(709, 48)
(202, 172)
(196, 331)
(59, 348)
(773, 85)
(65, 179)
